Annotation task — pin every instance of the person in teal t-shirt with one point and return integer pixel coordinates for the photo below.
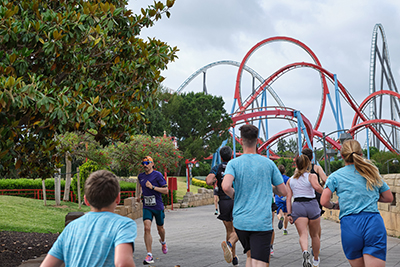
(359, 187)
(100, 237)
(249, 181)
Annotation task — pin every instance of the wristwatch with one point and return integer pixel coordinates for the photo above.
(153, 187)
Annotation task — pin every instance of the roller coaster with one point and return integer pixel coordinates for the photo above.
(372, 115)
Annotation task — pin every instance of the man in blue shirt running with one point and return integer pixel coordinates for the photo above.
(249, 180)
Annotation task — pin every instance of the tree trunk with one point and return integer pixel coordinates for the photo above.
(79, 188)
(44, 192)
(68, 171)
(57, 188)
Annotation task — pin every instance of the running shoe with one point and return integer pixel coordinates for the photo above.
(306, 259)
(216, 212)
(149, 259)
(226, 247)
(272, 251)
(280, 223)
(316, 264)
(285, 232)
(235, 261)
(164, 247)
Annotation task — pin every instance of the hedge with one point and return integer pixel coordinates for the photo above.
(201, 183)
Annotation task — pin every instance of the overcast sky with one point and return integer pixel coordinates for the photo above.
(339, 32)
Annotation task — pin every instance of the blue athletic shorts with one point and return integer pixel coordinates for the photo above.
(281, 206)
(363, 233)
(158, 214)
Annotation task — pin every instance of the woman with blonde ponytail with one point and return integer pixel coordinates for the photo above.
(359, 187)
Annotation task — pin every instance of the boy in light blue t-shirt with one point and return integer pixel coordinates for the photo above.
(100, 237)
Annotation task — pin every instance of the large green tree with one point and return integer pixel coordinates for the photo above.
(73, 65)
(198, 121)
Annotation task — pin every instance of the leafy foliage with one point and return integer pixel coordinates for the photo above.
(72, 66)
(129, 155)
(84, 171)
(198, 121)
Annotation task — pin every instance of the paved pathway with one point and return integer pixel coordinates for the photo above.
(194, 236)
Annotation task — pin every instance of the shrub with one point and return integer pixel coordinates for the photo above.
(84, 171)
(167, 198)
(201, 183)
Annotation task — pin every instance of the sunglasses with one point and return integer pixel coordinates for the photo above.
(146, 162)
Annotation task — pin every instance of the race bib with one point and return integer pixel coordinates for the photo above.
(150, 200)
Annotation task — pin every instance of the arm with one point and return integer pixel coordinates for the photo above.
(386, 197)
(227, 185)
(162, 189)
(211, 179)
(280, 190)
(325, 200)
(313, 178)
(51, 261)
(321, 173)
(289, 200)
(124, 255)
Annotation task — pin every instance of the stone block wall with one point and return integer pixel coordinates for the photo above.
(130, 208)
(390, 211)
(134, 210)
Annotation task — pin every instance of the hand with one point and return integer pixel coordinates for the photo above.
(149, 185)
(138, 199)
(290, 219)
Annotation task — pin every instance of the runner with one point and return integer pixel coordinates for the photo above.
(305, 212)
(225, 204)
(254, 178)
(359, 187)
(280, 201)
(153, 184)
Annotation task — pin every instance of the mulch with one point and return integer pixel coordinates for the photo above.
(17, 247)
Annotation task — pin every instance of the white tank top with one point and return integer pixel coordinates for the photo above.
(302, 187)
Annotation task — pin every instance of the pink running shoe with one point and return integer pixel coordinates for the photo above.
(164, 247)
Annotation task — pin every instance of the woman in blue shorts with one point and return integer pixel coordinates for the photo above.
(305, 212)
(359, 187)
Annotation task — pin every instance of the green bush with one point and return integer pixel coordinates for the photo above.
(167, 198)
(84, 171)
(28, 184)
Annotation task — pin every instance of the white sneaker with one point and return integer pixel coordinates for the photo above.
(306, 259)
(316, 264)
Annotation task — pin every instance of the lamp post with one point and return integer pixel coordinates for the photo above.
(394, 161)
(331, 152)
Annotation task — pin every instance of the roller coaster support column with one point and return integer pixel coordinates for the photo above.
(338, 106)
(233, 130)
(264, 104)
(301, 127)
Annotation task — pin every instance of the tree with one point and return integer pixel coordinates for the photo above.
(70, 66)
(198, 121)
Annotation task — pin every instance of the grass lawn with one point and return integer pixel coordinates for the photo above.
(30, 215)
(181, 180)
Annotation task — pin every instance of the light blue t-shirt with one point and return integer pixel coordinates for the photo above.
(91, 239)
(253, 175)
(351, 188)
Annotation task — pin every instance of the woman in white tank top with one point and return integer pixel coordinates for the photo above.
(305, 212)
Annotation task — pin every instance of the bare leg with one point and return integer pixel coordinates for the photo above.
(314, 227)
(367, 261)
(301, 226)
(147, 235)
(248, 259)
(285, 220)
(231, 236)
(161, 232)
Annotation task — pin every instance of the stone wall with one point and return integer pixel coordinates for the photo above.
(133, 209)
(390, 211)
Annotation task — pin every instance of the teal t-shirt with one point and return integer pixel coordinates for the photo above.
(91, 239)
(253, 175)
(351, 189)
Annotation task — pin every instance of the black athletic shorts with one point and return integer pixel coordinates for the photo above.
(225, 209)
(258, 242)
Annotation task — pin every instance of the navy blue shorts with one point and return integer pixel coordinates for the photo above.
(148, 214)
(363, 233)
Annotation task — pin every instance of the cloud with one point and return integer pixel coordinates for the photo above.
(338, 32)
